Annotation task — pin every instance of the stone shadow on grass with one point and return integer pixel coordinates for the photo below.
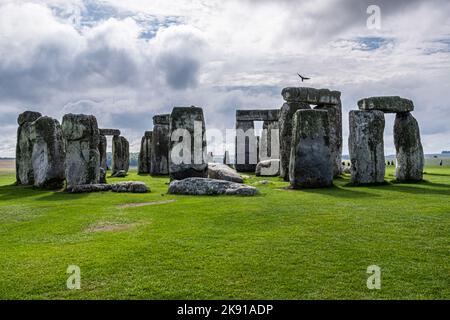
(15, 192)
(337, 191)
(415, 188)
(63, 196)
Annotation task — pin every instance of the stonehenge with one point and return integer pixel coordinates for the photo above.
(187, 146)
(145, 153)
(82, 164)
(121, 155)
(408, 145)
(308, 125)
(310, 164)
(366, 147)
(160, 145)
(24, 148)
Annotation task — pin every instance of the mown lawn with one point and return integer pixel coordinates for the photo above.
(282, 244)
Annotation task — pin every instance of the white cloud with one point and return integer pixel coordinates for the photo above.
(126, 61)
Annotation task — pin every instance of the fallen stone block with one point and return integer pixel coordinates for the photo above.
(120, 174)
(206, 186)
(130, 187)
(223, 172)
(268, 168)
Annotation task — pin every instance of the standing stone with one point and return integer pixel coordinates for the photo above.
(287, 113)
(48, 153)
(269, 135)
(410, 157)
(191, 159)
(366, 147)
(310, 164)
(121, 155)
(145, 153)
(24, 148)
(82, 165)
(335, 119)
(160, 145)
(226, 158)
(246, 155)
(102, 146)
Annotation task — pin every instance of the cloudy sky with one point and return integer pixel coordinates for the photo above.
(125, 61)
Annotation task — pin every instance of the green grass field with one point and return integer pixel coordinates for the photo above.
(282, 244)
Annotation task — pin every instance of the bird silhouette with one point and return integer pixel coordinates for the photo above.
(303, 78)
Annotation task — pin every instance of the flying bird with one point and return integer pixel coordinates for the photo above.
(303, 78)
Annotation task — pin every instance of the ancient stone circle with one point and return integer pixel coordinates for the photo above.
(301, 142)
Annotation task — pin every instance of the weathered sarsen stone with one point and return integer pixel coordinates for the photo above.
(109, 132)
(310, 165)
(386, 104)
(366, 146)
(311, 95)
(160, 145)
(206, 186)
(82, 165)
(187, 152)
(285, 122)
(246, 147)
(102, 146)
(24, 148)
(223, 172)
(120, 155)
(145, 153)
(410, 157)
(335, 120)
(48, 157)
(268, 168)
